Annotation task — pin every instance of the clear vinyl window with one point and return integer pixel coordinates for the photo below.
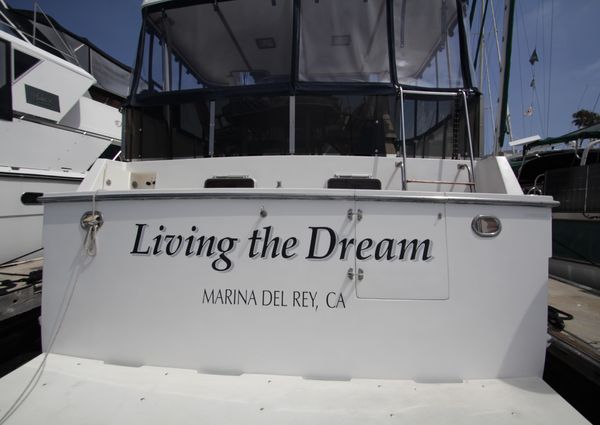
(427, 43)
(225, 44)
(344, 41)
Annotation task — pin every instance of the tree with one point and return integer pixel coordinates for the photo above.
(584, 118)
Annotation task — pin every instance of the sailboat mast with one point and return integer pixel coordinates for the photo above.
(501, 122)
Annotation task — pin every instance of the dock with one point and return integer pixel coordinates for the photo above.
(20, 308)
(573, 355)
(20, 287)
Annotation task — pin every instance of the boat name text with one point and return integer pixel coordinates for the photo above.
(324, 244)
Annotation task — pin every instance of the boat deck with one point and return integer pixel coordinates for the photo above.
(75, 390)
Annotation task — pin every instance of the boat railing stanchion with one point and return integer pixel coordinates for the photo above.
(403, 133)
(211, 130)
(468, 124)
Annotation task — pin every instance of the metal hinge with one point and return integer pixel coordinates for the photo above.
(351, 213)
(360, 274)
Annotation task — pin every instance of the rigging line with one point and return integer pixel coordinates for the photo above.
(596, 102)
(541, 14)
(492, 113)
(522, 16)
(550, 67)
(537, 24)
(540, 116)
(480, 33)
(520, 80)
(496, 36)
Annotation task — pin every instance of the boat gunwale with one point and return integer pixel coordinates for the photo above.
(300, 194)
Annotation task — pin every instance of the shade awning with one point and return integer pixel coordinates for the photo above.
(591, 132)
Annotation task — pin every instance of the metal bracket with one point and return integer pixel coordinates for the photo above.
(350, 214)
(360, 274)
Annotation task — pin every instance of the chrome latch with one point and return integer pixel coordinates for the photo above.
(91, 221)
(359, 275)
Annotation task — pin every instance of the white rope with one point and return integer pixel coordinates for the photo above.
(62, 313)
(64, 307)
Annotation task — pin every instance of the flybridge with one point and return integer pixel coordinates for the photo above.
(324, 244)
(297, 41)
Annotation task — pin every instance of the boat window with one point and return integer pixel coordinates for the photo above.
(23, 63)
(436, 127)
(427, 58)
(242, 127)
(248, 126)
(5, 82)
(343, 41)
(235, 50)
(346, 125)
(173, 131)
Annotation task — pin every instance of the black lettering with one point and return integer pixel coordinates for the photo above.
(253, 241)
(267, 297)
(158, 240)
(203, 241)
(208, 297)
(289, 245)
(329, 294)
(314, 241)
(345, 243)
(138, 239)
(190, 240)
(385, 247)
(360, 248)
(268, 242)
(415, 247)
(223, 263)
(169, 249)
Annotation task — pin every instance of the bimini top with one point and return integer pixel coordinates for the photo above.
(224, 44)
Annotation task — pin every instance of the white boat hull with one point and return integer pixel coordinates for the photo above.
(449, 313)
(20, 224)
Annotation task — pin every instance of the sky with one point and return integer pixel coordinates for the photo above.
(565, 34)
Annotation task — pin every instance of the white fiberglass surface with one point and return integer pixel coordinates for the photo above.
(265, 286)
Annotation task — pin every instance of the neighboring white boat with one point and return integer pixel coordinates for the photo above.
(52, 129)
(303, 231)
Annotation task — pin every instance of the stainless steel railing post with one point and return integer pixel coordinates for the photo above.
(403, 169)
(467, 121)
